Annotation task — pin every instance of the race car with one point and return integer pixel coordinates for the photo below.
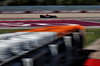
(48, 16)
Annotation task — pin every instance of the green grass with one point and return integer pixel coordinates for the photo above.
(10, 30)
(91, 34)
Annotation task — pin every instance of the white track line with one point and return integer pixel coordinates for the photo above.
(88, 21)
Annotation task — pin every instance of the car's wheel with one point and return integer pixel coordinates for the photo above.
(55, 17)
(41, 16)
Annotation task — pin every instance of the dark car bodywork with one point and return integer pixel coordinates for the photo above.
(48, 16)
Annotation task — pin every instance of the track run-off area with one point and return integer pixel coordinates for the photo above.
(44, 23)
(25, 21)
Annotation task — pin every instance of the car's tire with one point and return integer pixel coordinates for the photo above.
(55, 17)
(41, 16)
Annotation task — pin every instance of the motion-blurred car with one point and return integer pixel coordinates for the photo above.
(48, 16)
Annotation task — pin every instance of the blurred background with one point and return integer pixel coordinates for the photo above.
(48, 2)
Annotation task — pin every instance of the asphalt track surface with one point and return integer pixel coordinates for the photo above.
(29, 23)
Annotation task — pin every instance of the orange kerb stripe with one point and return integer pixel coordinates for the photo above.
(61, 30)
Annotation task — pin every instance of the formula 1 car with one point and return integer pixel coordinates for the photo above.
(48, 16)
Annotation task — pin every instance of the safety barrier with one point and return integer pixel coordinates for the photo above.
(44, 12)
(49, 46)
